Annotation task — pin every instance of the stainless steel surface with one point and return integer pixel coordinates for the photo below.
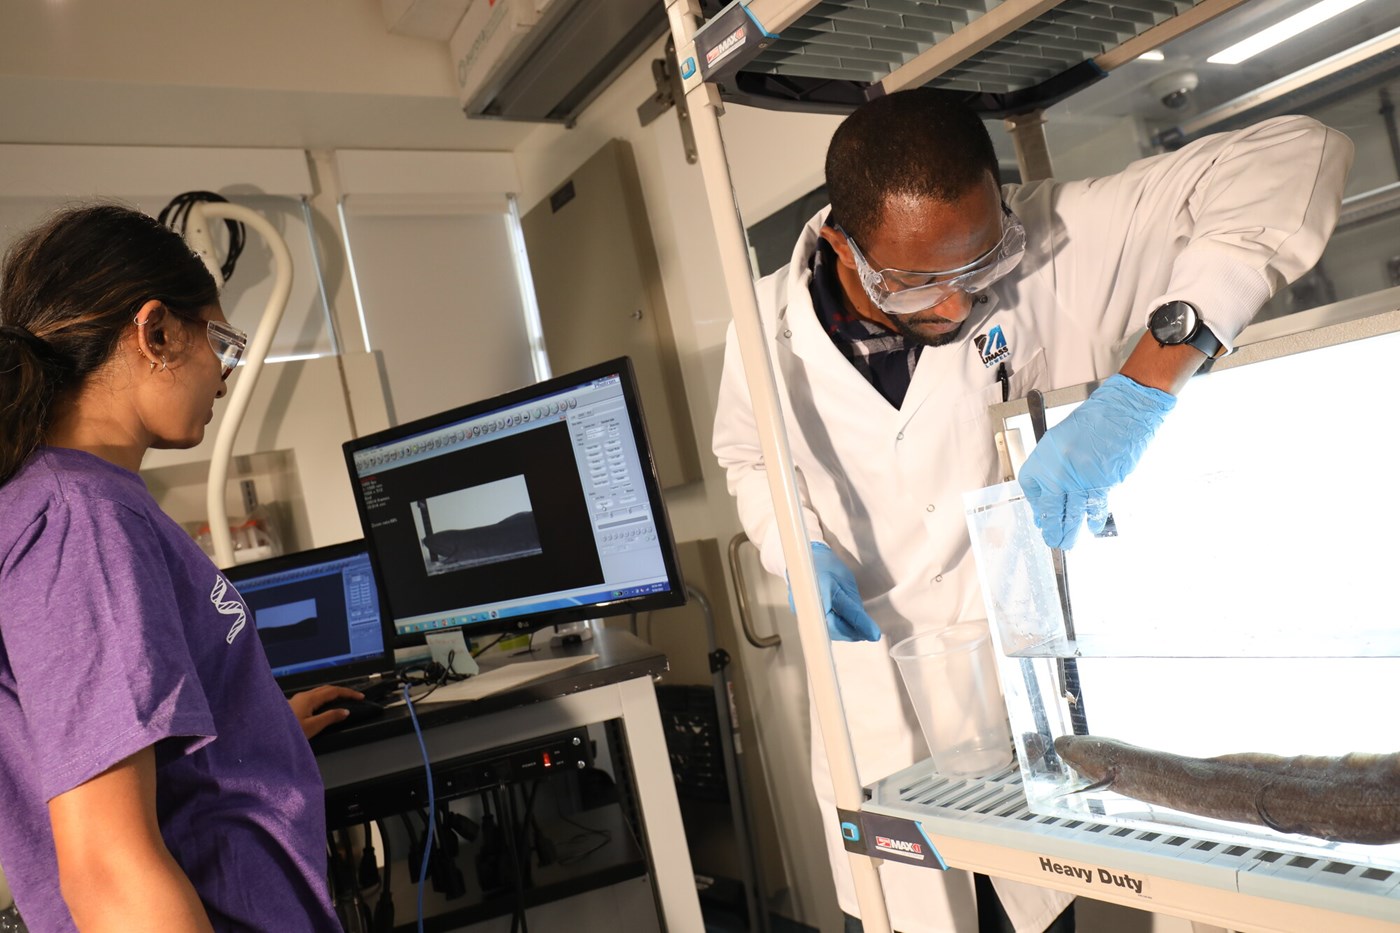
(1368, 204)
(1027, 132)
(741, 593)
(1035, 401)
(570, 57)
(665, 73)
(1064, 667)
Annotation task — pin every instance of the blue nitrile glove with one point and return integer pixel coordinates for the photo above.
(1068, 475)
(846, 618)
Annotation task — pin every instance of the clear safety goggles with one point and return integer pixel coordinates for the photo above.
(229, 343)
(896, 291)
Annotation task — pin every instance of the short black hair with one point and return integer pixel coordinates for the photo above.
(921, 142)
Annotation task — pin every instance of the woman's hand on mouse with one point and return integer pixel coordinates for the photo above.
(306, 703)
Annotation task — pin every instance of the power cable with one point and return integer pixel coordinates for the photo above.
(176, 215)
(432, 802)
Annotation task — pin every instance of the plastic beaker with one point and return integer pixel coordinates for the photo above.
(951, 679)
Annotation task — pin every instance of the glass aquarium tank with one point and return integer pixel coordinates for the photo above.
(1227, 663)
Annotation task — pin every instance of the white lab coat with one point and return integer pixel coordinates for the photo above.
(1222, 223)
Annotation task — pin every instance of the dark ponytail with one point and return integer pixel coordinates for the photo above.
(68, 289)
(25, 392)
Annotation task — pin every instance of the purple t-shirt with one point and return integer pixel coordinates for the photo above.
(117, 634)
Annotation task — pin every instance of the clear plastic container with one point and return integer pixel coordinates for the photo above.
(1247, 606)
(949, 675)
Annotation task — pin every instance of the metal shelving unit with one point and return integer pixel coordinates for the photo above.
(978, 46)
(985, 825)
(1009, 57)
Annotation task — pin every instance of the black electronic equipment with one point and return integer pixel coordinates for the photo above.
(534, 508)
(458, 777)
(319, 614)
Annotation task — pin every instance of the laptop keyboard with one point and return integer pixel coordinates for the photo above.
(380, 690)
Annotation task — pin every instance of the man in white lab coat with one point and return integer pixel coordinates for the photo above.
(926, 292)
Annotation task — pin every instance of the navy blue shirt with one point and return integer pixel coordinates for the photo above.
(882, 356)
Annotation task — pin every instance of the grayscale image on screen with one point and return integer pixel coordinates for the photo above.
(286, 620)
(480, 525)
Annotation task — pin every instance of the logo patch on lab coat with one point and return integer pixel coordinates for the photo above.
(992, 346)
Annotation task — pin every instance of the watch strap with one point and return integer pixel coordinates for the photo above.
(1204, 339)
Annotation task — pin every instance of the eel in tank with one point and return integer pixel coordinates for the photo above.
(513, 536)
(1349, 798)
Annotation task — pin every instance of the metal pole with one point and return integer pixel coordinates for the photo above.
(730, 749)
(782, 483)
(1032, 154)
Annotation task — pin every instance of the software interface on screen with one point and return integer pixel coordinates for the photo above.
(536, 507)
(321, 615)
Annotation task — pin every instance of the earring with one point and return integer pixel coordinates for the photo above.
(163, 364)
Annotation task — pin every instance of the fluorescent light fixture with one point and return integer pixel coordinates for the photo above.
(1156, 55)
(1387, 43)
(293, 357)
(529, 302)
(1282, 31)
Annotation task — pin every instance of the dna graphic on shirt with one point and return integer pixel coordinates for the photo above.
(230, 607)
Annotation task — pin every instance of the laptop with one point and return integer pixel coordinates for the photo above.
(321, 617)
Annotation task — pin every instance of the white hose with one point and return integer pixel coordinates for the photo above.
(237, 405)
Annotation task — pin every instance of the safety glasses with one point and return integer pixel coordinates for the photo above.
(229, 343)
(896, 291)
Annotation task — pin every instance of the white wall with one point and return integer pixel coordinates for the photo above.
(283, 45)
(435, 275)
(304, 73)
(35, 179)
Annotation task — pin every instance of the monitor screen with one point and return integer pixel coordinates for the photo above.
(318, 614)
(533, 508)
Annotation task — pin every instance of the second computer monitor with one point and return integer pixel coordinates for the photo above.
(533, 508)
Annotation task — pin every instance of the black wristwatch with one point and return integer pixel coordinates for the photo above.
(1178, 322)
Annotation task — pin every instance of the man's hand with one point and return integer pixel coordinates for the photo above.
(846, 618)
(306, 703)
(1068, 475)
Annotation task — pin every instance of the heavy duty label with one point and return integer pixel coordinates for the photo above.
(1093, 878)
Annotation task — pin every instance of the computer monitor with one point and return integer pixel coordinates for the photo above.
(537, 507)
(319, 614)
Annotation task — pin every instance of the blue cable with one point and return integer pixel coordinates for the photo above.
(432, 806)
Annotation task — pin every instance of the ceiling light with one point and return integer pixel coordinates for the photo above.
(1372, 50)
(1282, 31)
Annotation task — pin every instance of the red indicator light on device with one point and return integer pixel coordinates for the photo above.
(546, 759)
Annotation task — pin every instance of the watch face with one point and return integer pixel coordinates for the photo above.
(1173, 322)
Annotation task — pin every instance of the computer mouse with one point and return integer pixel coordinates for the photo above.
(360, 710)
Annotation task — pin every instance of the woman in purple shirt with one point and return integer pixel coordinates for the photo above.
(152, 776)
